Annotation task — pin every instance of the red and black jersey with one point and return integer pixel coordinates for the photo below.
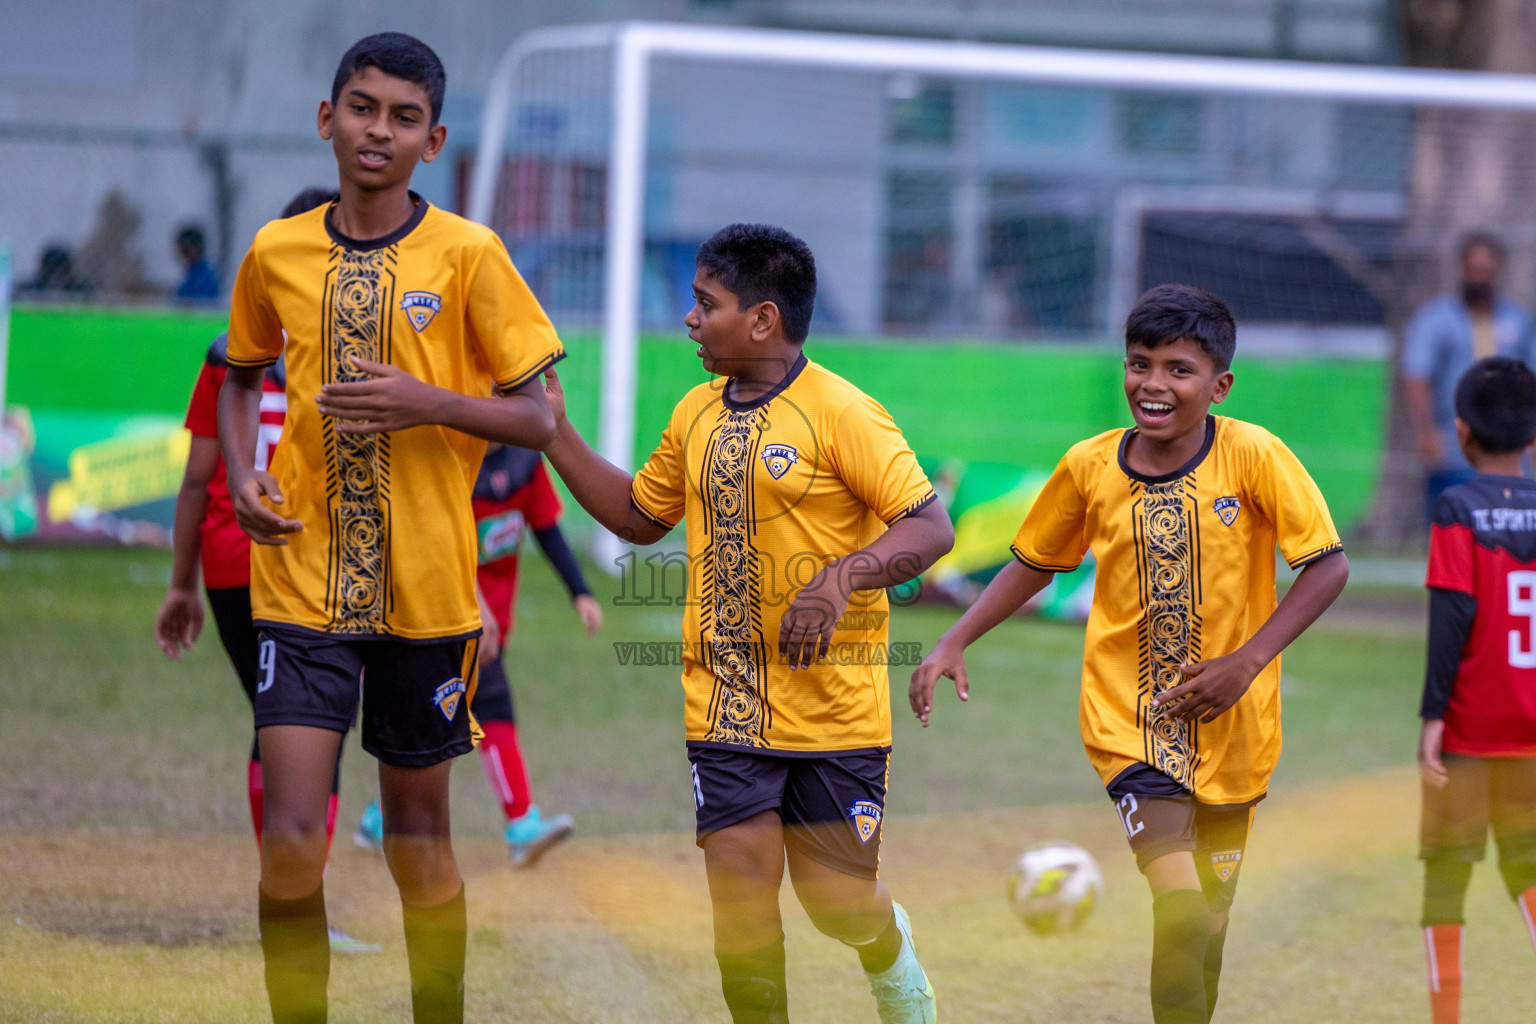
(513, 495)
(1481, 676)
(226, 550)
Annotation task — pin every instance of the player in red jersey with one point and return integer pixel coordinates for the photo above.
(1477, 749)
(513, 495)
(205, 531)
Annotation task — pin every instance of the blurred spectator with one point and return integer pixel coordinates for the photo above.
(1445, 337)
(201, 280)
(55, 274)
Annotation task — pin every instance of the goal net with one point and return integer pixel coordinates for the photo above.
(1016, 197)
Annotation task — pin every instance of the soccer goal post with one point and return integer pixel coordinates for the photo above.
(957, 190)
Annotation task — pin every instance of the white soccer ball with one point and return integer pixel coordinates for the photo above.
(1054, 887)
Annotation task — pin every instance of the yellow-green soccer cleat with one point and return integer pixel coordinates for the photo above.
(902, 992)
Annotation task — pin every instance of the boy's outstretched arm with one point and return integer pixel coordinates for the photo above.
(598, 485)
(908, 547)
(394, 400)
(1009, 590)
(1212, 687)
(180, 619)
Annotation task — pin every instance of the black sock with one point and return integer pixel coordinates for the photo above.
(434, 944)
(1445, 890)
(1214, 945)
(297, 952)
(753, 985)
(878, 955)
(1181, 928)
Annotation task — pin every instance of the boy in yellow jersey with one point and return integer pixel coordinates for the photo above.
(1181, 674)
(803, 503)
(410, 339)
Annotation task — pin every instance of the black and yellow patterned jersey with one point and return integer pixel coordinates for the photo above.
(772, 490)
(388, 546)
(1186, 573)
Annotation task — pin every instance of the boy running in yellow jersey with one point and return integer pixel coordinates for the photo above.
(1180, 704)
(802, 501)
(410, 339)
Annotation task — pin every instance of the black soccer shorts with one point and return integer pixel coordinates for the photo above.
(415, 695)
(1482, 791)
(493, 695)
(831, 806)
(231, 607)
(1161, 817)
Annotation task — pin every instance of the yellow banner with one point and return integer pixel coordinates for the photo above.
(121, 472)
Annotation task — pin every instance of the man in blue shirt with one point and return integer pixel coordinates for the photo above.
(201, 281)
(1447, 335)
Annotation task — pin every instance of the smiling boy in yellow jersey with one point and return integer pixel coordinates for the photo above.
(1180, 708)
(409, 341)
(803, 501)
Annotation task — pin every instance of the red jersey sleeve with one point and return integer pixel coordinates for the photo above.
(1451, 556)
(543, 508)
(203, 411)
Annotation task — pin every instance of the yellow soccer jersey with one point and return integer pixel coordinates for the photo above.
(774, 489)
(1186, 573)
(388, 546)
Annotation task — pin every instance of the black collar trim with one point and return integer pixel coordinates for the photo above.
(1187, 468)
(767, 396)
(369, 244)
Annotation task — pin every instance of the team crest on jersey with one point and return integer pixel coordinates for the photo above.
(420, 308)
(447, 695)
(778, 458)
(1225, 863)
(865, 815)
(1227, 509)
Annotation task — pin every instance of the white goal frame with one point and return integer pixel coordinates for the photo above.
(635, 44)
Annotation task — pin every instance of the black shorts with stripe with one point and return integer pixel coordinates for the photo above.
(415, 695)
(832, 805)
(1161, 817)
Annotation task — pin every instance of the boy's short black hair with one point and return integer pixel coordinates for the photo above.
(399, 56)
(191, 235)
(1496, 398)
(1168, 312)
(763, 263)
(309, 199)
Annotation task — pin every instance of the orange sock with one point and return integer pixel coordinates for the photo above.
(1442, 942)
(1527, 904)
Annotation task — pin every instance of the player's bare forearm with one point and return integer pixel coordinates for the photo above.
(1417, 396)
(239, 422)
(904, 551)
(391, 399)
(599, 486)
(1212, 687)
(1009, 590)
(191, 505)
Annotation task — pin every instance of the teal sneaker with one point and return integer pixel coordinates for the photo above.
(370, 831)
(341, 942)
(902, 993)
(530, 836)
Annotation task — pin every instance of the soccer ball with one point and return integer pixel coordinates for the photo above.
(1054, 887)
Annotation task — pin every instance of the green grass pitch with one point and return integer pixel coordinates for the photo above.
(128, 880)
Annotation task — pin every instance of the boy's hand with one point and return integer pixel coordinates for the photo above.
(805, 635)
(554, 393)
(490, 643)
(392, 400)
(590, 611)
(260, 523)
(1431, 742)
(1209, 687)
(179, 622)
(943, 660)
